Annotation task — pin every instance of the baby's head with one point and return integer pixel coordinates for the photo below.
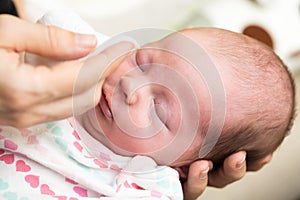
(157, 103)
(260, 94)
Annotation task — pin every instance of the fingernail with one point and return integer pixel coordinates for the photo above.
(85, 41)
(241, 163)
(204, 174)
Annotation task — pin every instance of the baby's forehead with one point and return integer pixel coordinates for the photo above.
(185, 53)
(178, 52)
(167, 50)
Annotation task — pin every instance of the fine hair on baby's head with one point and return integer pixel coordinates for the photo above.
(260, 94)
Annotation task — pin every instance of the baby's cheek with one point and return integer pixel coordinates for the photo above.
(139, 145)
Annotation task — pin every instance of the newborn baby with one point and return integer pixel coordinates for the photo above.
(198, 93)
(259, 100)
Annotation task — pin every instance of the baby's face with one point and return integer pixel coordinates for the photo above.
(150, 105)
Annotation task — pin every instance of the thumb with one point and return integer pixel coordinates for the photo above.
(197, 179)
(48, 41)
(94, 71)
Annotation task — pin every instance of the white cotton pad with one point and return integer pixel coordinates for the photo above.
(109, 42)
(71, 21)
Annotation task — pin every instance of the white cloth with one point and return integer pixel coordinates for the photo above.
(50, 161)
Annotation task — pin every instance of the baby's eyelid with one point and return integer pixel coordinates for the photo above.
(158, 101)
(141, 68)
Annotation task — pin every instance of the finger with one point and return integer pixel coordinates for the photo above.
(233, 169)
(25, 85)
(255, 166)
(47, 41)
(52, 111)
(197, 179)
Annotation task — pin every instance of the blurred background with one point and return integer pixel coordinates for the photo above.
(276, 22)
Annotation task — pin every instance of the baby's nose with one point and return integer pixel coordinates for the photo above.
(138, 97)
(129, 87)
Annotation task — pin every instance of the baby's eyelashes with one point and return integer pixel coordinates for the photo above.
(160, 111)
(140, 68)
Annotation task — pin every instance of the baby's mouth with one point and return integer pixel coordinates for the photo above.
(104, 105)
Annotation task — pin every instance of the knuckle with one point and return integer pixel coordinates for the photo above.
(232, 178)
(24, 119)
(19, 94)
(15, 103)
(237, 177)
(17, 120)
(220, 179)
(52, 35)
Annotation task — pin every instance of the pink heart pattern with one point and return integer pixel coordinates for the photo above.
(70, 181)
(156, 194)
(10, 145)
(78, 146)
(81, 191)
(105, 156)
(100, 163)
(115, 168)
(7, 158)
(33, 180)
(46, 190)
(76, 135)
(21, 166)
(32, 140)
(25, 132)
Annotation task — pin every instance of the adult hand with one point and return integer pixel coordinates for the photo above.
(34, 94)
(233, 169)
